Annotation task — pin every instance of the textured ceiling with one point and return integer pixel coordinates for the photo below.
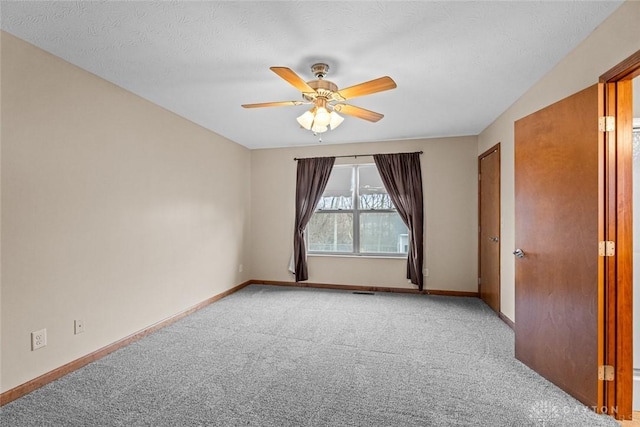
(458, 65)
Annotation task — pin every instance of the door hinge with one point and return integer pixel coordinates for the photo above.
(479, 280)
(606, 124)
(606, 248)
(606, 373)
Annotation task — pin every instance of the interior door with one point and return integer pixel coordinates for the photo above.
(489, 230)
(559, 216)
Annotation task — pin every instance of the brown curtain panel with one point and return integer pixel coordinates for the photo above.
(312, 177)
(402, 177)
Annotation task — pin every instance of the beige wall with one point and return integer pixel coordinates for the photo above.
(449, 169)
(613, 41)
(114, 211)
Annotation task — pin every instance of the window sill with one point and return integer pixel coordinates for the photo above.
(395, 257)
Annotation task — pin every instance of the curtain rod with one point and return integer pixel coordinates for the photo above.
(354, 155)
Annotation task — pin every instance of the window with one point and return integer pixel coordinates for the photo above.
(356, 216)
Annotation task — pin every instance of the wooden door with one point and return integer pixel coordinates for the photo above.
(489, 227)
(559, 185)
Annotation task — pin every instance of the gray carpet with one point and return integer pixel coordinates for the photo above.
(280, 356)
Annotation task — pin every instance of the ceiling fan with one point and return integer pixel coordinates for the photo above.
(326, 99)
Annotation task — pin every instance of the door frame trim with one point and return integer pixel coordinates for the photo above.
(618, 228)
(496, 149)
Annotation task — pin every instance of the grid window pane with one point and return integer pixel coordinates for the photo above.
(330, 232)
(383, 232)
(338, 194)
(371, 192)
(370, 181)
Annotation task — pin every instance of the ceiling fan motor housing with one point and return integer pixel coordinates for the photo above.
(324, 89)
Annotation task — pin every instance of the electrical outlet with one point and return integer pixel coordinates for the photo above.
(240, 268)
(38, 339)
(426, 272)
(78, 326)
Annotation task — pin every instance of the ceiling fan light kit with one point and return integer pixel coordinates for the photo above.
(319, 119)
(326, 99)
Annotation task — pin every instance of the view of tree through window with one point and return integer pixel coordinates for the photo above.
(356, 216)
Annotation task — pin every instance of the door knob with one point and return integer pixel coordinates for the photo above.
(494, 239)
(519, 253)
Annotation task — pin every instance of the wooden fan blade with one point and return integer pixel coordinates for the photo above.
(358, 112)
(367, 88)
(272, 104)
(294, 80)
